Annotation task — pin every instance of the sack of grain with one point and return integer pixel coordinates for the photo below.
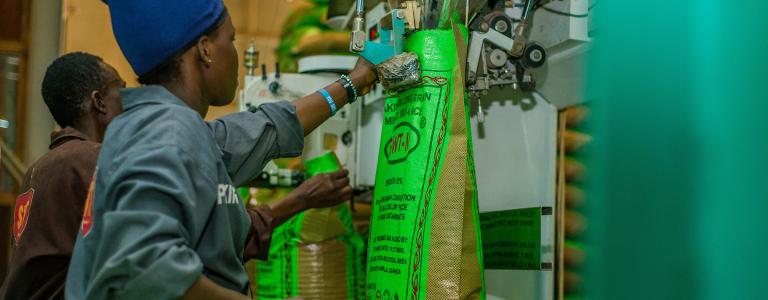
(316, 254)
(424, 241)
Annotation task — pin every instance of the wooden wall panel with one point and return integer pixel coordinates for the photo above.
(11, 20)
(86, 27)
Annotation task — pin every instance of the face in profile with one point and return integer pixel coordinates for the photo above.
(222, 77)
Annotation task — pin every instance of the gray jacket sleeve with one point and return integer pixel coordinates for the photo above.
(249, 140)
(147, 249)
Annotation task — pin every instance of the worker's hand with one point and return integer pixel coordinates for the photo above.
(325, 190)
(363, 75)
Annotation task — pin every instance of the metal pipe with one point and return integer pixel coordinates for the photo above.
(527, 9)
(466, 13)
(518, 47)
(360, 7)
(277, 70)
(359, 33)
(263, 72)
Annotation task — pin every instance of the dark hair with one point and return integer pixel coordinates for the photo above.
(68, 81)
(170, 69)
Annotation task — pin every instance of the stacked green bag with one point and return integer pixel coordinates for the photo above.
(424, 241)
(306, 33)
(316, 254)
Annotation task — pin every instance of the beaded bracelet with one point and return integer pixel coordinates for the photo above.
(346, 82)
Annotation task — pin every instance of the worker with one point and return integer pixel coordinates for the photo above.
(83, 95)
(164, 220)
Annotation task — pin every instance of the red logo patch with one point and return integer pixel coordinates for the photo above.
(21, 213)
(87, 223)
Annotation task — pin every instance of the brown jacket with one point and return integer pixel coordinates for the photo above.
(47, 216)
(48, 213)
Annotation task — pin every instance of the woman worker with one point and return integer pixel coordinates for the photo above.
(162, 219)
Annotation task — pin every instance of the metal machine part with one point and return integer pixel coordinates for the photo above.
(272, 176)
(497, 58)
(275, 86)
(501, 25)
(359, 36)
(412, 12)
(342, 12)
(263, 72)
(521, 38)
(391, 33)
(395, 71)
(251, 60)
(533, 57)
(499, 52)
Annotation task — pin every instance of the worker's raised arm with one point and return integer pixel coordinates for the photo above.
(314, 109)
(248, 140)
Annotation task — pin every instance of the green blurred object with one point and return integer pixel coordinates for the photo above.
(300, 22)
(679, 161)
(244, 194)
(315, 253)
(325, 163)
(303, 22)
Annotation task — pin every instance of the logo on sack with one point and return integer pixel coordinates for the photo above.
(404, 141)
(87, 222)
(21, 213)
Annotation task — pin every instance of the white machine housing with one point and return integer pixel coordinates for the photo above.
(515, 143)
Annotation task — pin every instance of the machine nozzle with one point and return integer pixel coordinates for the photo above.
(357, 40)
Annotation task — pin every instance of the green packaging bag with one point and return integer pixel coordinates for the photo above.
(316, 254)
(425, 241)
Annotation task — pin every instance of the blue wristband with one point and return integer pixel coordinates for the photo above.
(329, 99)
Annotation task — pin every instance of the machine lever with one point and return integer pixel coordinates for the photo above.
(520, 39)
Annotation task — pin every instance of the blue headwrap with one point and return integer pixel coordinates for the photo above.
(150, 32)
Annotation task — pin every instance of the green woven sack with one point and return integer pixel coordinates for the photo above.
(424, 240)
(316, 254)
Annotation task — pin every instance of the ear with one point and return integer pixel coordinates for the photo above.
(97, 101)
(204, 50)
